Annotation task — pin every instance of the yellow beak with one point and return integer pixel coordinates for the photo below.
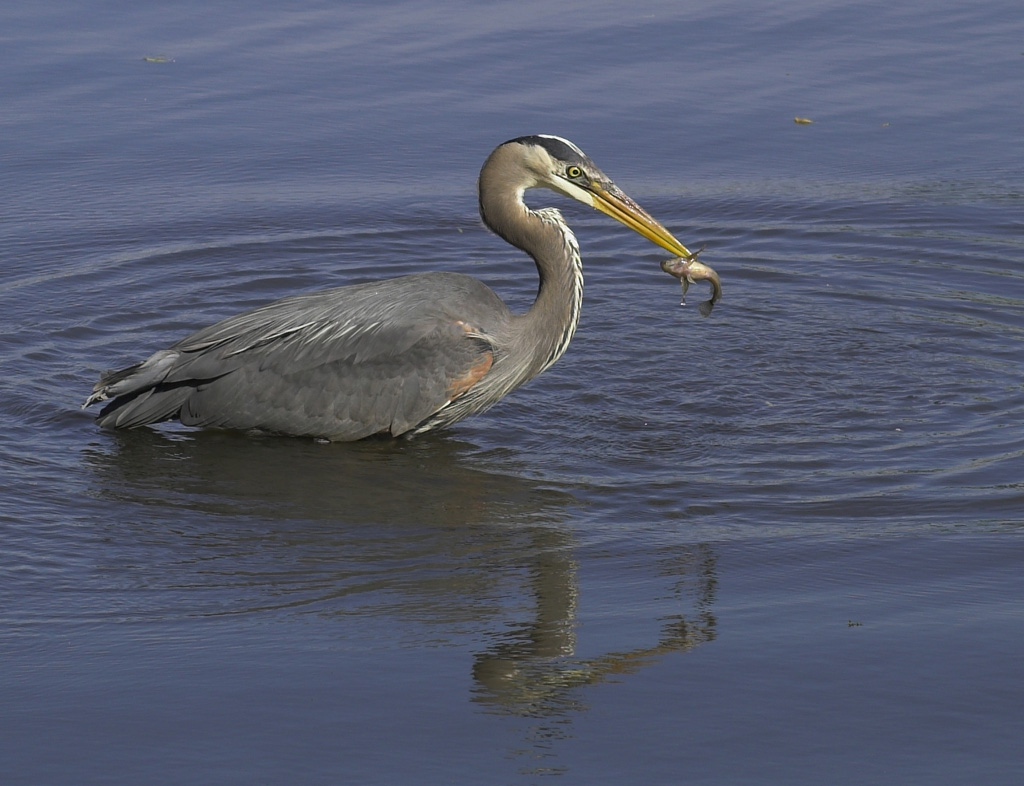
(609, 199)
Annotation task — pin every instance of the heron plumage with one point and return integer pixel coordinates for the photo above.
(399, 356)
(387, 352)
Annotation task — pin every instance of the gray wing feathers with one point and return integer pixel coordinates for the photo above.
(135, 386)
(343, 363)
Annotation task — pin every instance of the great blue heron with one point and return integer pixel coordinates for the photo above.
(400, 356)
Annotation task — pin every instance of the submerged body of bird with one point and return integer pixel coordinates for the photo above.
(400, 356)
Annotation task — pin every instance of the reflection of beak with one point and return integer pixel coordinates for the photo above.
(609, 199)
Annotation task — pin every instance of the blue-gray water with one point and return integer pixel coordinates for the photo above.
(783, 544)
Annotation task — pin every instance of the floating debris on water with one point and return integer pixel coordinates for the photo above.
(804, 121)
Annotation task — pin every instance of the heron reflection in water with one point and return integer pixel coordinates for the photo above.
(395, 357)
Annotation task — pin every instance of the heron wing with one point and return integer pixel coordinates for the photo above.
(342, 364)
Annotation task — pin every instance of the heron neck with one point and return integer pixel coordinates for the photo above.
(556, 311)
(546, 329)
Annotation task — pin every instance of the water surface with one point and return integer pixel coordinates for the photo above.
(779, 545)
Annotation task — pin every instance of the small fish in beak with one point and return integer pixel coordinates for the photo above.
(689, 270)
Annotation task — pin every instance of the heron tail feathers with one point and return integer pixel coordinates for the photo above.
(136, 394)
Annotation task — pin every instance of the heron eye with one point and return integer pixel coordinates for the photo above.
(574, 172)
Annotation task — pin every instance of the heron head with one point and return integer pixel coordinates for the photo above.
(556, 163)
